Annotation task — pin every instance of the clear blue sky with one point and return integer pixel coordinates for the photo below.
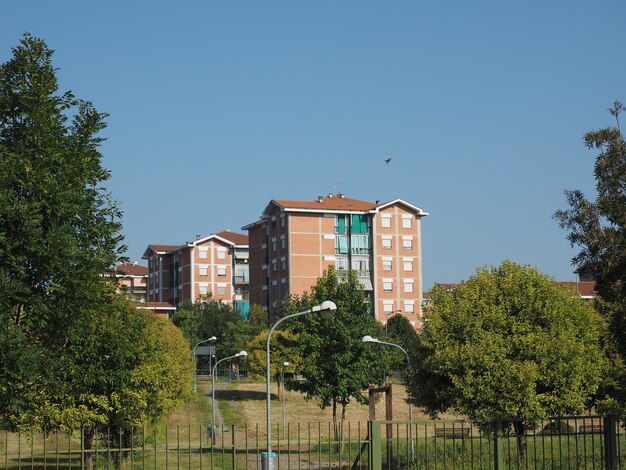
(218, 107)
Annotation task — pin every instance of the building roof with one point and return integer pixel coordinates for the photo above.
(236, 238)
(159, 249)
(336, 202)
(131, 269)
(584, 288)
(330, 203)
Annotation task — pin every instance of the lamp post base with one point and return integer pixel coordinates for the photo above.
(268, 461)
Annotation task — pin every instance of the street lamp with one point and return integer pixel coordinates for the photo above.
(213, 372)
(369, 339)
(326, 306)
(282, 392)
(195, 385)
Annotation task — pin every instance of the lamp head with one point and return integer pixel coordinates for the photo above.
(241, 353)
(286, 364)
(369, 339)
(326, 306)
(212, 338)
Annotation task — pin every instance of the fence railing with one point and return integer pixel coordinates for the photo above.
(589, 442)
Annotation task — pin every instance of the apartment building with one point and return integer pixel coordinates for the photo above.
(216, 264)
(293, 242)
(132, 280)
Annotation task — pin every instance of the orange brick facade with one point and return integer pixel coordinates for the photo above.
(295, 241)
(215, 265)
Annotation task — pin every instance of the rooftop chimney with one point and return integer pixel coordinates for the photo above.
(320, 198)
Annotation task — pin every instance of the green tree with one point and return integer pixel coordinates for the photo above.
(284, 347)
(401, 332)
(508, 343)
(59, 229)
(598, 228)
(336, 364)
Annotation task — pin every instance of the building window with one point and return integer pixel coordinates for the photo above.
(408, 286)
(388, 308)
(203, 271)
(283, 264)
(341, 245)
(359, 223)
(408, 265)
(273, 244)
(385, 221)
(221, 290)
(204, 290)
(341, 224)
(360, 244)
(221, 253)
(282, 220)
(342, 264)
(407, 243)
(282, 242)
(386, 243)
(409, 308)
(274, 265)
(387, 264)
(387, 285)
(362, 266)
(204, 254)
(221, 272)
(406, 221)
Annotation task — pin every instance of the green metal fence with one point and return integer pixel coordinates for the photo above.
(590, 442)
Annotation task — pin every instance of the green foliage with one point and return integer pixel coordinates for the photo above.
(283, 347)
(508, 343)
(598, 228)
(59, 231)
(401, 332)
(257, 319)
(337, 365)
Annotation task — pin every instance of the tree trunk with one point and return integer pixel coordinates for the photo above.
(88, 435)
(343, 420)
(521, 438)
(335, 424)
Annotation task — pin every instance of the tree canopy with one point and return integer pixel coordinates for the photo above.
(59, 228)
(507, 343)
(336, 364)
(598, 229)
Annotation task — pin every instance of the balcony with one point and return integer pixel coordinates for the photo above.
(241, 279)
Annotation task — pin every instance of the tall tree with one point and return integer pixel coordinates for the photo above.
(336, 364)
(598, 228)
(508, 343)
(59, 228)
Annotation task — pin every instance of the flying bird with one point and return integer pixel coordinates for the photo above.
(388, 160)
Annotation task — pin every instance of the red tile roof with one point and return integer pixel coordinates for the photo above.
(236, 238)
(164, 248)
(131, 269)
(335, 202)
(584, 288)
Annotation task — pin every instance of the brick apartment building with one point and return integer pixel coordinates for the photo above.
(293, 242)
(216, 264)
(132, 279)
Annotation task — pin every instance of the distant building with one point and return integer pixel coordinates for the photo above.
(214, 265)
(162, 309)
(293, 242)
(132, 280)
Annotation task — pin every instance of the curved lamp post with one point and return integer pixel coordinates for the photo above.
(213, 372)
(326, 306)
(212, 338)
(282, 393)
(369, 339)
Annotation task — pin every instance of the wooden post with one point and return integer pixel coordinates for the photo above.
(372, 401)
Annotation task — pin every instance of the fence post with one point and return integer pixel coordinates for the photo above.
(498, 451)
(374, 454)
(610, 442)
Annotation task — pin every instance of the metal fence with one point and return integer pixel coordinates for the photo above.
(589, 442)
